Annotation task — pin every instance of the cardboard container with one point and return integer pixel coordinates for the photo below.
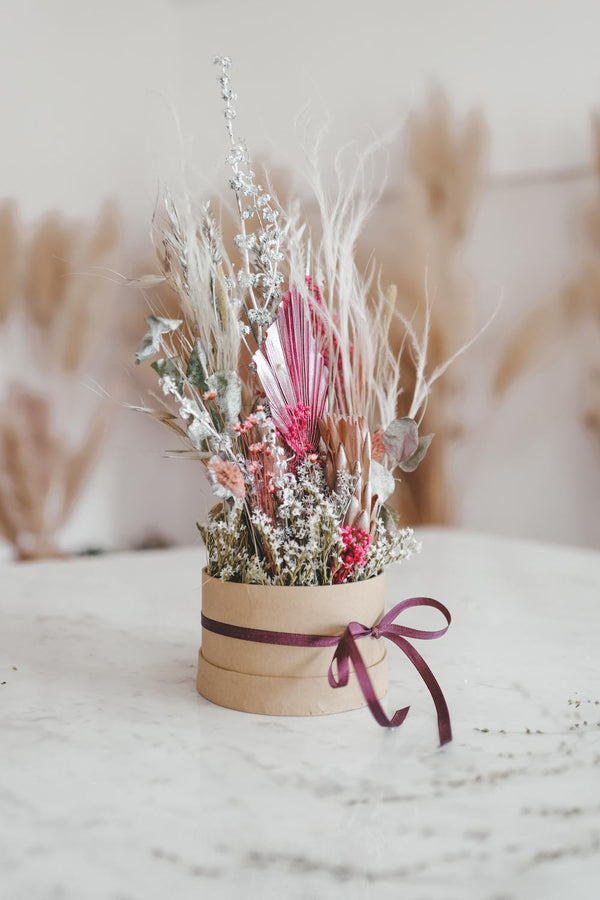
(279, 680)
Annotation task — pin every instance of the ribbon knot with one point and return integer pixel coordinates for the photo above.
(347, 651)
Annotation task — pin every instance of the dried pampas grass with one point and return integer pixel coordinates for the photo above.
(9, 258)
(418, 232)
(69, 286)
(56, 301)
(575, 308)
(46, 269)
(41, 475)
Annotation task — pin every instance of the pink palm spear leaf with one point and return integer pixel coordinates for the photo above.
(293, 374)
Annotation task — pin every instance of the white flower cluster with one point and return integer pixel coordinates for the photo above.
(389, 547)
(305, 545)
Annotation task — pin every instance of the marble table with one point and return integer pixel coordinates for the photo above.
(119, 782)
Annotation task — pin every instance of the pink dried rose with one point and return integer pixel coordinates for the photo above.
(227, 478)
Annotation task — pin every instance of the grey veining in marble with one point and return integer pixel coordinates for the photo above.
(118, 782)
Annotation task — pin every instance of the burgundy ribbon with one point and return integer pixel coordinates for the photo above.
(346, 651)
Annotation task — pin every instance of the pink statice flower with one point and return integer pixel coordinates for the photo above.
(356, 544)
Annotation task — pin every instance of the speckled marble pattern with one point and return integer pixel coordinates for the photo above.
(118, 782)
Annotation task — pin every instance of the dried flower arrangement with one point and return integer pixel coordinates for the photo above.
(52, 307)
(302, 444)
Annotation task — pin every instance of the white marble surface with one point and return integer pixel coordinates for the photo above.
(118, 782)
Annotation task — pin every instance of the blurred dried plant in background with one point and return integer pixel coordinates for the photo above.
(574, 309)
(417, 237)
(9, 254)
(41, 476)
(55, 301)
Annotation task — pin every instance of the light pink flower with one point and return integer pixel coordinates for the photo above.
(377, 449)
(228, 479)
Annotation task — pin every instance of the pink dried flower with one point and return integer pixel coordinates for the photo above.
(293, 374)
(356, 543)
(228, 479)
(298, 435)
(257, 448)
(377, 449)
(244, 427)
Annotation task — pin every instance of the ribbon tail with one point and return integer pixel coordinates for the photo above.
(348, 649)
(443, 713)
(343, 668)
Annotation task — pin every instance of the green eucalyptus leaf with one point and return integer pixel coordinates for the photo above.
(228, 386)
(400, 439)
(389, 518)
(197, 367)
(168, 368)
(199, 429)
(382, 481)
(410, 464)
(150, 344)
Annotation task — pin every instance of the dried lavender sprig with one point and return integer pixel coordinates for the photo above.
(266, 241)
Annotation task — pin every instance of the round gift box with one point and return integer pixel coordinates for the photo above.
(279, 680)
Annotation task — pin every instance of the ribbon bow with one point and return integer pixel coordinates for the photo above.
(347, 651)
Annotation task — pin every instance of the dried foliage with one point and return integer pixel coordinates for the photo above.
(56, 294)
(574, 309)
(419, 231)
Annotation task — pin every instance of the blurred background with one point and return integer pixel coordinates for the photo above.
(493, 190)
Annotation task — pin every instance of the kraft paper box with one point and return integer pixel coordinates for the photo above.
(282, 680)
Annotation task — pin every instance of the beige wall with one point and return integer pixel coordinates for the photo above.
(86, 89)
